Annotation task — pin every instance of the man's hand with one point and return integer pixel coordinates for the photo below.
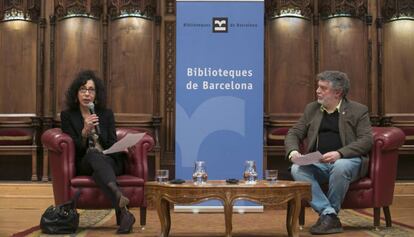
(330, 157)
(294, 155)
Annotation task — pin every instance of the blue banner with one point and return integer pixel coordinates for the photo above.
(219, 87)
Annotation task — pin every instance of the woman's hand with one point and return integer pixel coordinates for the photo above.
(89, 124)
(129, 150)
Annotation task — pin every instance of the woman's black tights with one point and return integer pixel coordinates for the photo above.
(103, 170)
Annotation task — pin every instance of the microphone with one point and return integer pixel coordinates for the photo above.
(91, 108)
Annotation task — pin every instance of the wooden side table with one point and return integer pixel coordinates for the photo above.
(290, 192)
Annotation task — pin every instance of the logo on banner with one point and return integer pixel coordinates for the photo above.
(220, 24)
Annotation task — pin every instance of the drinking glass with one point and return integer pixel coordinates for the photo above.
(271, 176)
(161, 176)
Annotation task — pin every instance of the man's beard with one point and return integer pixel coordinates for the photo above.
(321, 101)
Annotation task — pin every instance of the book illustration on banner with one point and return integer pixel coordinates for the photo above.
(308, 159)
(129, 140)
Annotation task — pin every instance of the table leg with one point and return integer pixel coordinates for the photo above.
(166, 207)
(163, 209)
(293, 217)
(228, 212)
(289, 218)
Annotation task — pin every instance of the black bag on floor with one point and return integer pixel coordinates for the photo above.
(61, 219)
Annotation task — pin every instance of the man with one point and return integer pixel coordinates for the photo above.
(340, 129)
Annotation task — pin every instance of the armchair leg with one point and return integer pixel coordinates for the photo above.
(387, 215)
(377, 214)
(143, 216)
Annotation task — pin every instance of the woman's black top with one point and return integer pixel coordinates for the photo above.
(72, 124)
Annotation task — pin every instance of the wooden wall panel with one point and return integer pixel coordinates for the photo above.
(18, 67)
(343, 46)
(78, 46)
(290, 66)
(398, 76)
(131, 77)
(136, 57)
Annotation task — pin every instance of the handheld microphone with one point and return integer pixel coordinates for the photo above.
(91, 108)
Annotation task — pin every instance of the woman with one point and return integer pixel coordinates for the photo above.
(92, 132)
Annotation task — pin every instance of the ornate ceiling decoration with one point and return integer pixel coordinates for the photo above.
(337, 8)
(26, 10)
(132, 8)
(398, 9)
(289, 8)
(78, 8)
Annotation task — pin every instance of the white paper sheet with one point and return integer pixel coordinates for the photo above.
(129, 140)
(310, 158)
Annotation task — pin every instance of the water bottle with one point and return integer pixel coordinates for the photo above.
(200, 174)
(250, 173)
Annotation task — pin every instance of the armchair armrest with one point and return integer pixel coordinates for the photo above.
(61, 152)
(384, 152)
(138, 156)
(384, 161)
(55, 140)
(391, 138)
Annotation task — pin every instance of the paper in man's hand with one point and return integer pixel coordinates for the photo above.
(129, 140)
(310, 158)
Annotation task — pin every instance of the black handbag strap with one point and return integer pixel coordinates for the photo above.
(72, 203)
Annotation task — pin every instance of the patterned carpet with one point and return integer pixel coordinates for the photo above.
(96, 223)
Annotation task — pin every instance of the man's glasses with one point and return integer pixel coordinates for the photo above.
(83, 90)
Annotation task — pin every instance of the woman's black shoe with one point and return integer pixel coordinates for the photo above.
(118, 213)
(126, 223)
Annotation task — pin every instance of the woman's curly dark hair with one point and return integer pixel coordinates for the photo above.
(80, 80)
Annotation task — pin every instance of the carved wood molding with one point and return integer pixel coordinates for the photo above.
(132, 8)
(386, 121)
(170, 83)
(398, 9)
(284, 8)
(337, 8)
(170, 7)
(28, 10)
(375, 120)
(76, 8)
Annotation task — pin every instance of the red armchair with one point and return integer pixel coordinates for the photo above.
(376, 190)
(61, 152)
